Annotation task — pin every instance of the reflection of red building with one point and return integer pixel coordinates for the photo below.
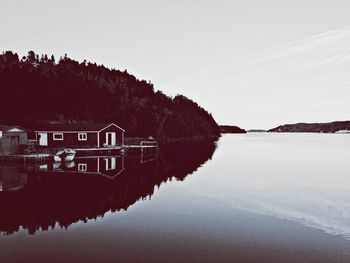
(88, 135)
(12, 178)
(108, 166)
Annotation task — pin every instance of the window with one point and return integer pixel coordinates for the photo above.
(82, 136)
(82, 167)
(58, 136)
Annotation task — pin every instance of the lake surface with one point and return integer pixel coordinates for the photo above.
(246, 198)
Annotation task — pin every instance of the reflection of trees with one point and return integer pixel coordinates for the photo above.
(49, 200)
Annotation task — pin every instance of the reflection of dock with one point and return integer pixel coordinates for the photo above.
(149, 154)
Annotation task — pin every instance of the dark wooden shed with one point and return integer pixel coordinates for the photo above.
(12, 140)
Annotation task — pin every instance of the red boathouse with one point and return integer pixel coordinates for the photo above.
(79, 135)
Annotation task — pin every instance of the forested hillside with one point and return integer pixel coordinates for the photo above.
(39, 88)
(329, 127)
(231, 129)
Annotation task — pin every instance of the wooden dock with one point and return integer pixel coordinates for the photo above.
(26, 158)
(116, 150)
(46, 155)
(98, 151)
(142, 145)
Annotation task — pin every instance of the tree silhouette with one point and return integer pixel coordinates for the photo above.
(34, 89)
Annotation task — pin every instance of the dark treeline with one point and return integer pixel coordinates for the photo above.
(39, 88)
(41, 204)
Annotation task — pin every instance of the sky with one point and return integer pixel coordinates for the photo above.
(252, 63)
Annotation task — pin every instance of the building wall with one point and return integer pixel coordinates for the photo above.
(71, 140)
(119, 133)
(6, 146)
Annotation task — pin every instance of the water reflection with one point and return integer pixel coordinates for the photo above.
(54, 195)
(108, 166)
(297, 177)
(12, 178)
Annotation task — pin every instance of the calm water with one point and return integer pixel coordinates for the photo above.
(247, 198)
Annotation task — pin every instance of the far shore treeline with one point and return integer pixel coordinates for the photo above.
(327, 127)
(231, 129)
(39, 88)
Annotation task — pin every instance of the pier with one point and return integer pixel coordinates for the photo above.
(26, 158)
(46, 155)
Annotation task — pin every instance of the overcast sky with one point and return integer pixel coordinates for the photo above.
(251, 63)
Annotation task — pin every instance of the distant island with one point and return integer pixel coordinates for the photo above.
(37, 88)
(329, 127)
(231, 129)
(257, 130)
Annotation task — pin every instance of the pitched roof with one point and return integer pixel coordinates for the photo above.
(5, 128)
(71, 126)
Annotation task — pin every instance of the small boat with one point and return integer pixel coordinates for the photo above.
(67, 155)
(58, 166)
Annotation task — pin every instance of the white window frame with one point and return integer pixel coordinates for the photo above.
(82, 167)
(82, 136)
(57, 139)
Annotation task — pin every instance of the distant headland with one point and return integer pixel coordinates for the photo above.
(329, 127)
(231, 129)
